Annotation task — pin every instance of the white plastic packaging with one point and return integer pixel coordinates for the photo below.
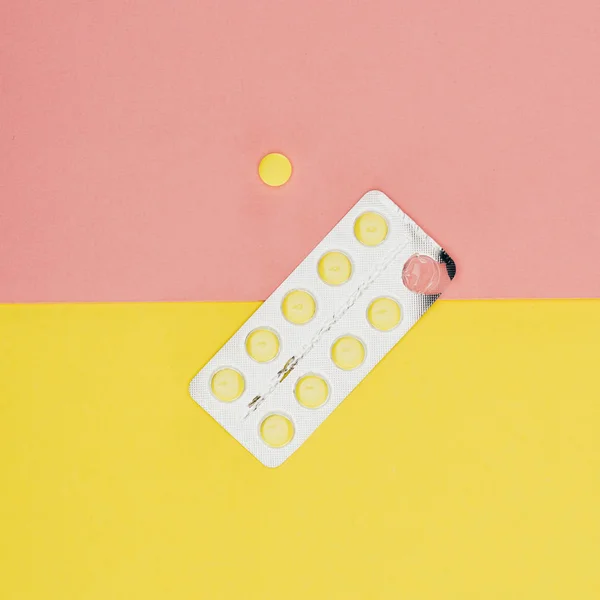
(321, 331)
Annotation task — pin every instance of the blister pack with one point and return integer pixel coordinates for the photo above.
(323, 329)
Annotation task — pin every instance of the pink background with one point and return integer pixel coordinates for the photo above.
(131, 133)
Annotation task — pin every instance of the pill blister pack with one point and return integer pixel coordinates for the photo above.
(322, 330)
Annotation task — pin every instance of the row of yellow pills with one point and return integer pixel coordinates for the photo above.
(347, 352)
(370, 229)
(276, 430)
(311, 391)
(334, 268)
(262, 345)
(299, 307)
(228, 385)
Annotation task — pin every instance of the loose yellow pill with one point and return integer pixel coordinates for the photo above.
(384, 314)
(262, 345)
(335, 268)
(370, 229)
(311, 391)
(227, 385)
(275, 169)
(298, 307)
(348, 352)
(276, 431)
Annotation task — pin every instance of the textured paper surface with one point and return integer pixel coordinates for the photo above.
(131, 133)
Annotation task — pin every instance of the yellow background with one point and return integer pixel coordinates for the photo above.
(466, 466)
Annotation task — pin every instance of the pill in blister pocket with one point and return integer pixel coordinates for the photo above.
(311, 391)
(262, 345)
(370, 229)
(335, 268)
(348, 352)
(298, 307)
(384, 314)
(227, 385)
(276, 431)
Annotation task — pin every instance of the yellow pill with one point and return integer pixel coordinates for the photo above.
(298, 307)
(275, 169)
(370, 229)
(348, 352)
(335, 268)
(384, 314)
(262, 345)
(227, 385)
(276, 431)
(311, 391)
